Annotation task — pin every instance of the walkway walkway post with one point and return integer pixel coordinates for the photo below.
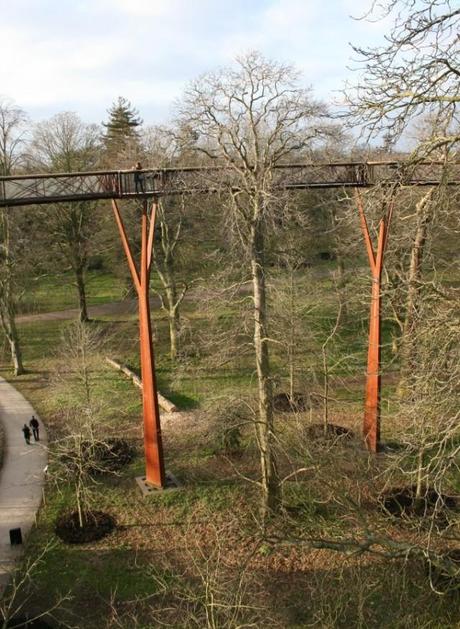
(155, 471)
(371, 424)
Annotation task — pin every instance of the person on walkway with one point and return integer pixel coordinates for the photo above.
(138, 177)
(26, 431)
(35, 427)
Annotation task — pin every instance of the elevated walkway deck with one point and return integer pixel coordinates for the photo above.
(42, 188)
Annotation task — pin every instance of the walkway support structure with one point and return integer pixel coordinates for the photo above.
(147, 184)
(154, 461)
(371, 424)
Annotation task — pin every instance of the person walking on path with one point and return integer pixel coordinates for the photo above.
(35, 427)
(22, 479)
(26, 431)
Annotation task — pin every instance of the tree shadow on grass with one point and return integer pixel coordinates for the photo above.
(359, 593)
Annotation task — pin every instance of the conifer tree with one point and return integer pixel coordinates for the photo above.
(121, 138)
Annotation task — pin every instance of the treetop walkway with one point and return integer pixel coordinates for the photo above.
(42, 188)
(150, 184)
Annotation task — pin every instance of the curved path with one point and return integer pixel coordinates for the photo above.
(22, 476)
(127, 306)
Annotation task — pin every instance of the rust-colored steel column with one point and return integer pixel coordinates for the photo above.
(371, 424)
(154, 462)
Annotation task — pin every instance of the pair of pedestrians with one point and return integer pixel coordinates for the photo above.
(35, 429)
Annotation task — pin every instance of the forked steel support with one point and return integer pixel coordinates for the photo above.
(371, 424)
(154, 462)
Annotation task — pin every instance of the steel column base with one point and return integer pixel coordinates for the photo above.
(147, 489)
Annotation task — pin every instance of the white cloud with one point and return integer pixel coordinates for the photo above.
(284, 15)
(143, 8)
(81, 55)
(48, 71)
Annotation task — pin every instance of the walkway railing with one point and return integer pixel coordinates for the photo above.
(31, 189)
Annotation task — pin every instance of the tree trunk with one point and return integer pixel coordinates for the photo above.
(7, 305)
(173, 336)
(413, 281)
(340, 275)
(291, 342)
(419, 484)
(173, 317)
(15, 348)
(166, 273)
(79, 501)
(11, 333)
(325, 391)
(81, 288)
(264, 425)
(341, 280)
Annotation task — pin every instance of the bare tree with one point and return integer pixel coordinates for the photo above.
(327, 368)
(164, 258)
(432, 209)
(415, 72)
(162, 151)
(65, 143)
(288, 309)
(12, 121)
(431, 408)
(251, 118)
(423, 213)
(77, 454)
(14, 604)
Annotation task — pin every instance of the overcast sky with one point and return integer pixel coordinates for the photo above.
(79, 55)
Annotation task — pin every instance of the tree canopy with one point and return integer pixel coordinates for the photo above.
(415, 73)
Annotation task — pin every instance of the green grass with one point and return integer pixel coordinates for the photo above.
(141, 562)
(58, 292)
(211, 497)
(67, 569)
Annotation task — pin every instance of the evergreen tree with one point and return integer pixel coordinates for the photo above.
(121, 138)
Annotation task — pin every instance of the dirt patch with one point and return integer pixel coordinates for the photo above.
(284, 403)
(100, 457)
(330, 432)
(96, 525)
(403, 502)
(114, 454)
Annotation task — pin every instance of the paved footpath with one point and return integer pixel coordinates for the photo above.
(21, 477)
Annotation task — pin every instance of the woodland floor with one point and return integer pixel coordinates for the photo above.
(197, 556)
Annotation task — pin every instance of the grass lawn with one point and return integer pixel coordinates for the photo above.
(197, 556)
(58, 292)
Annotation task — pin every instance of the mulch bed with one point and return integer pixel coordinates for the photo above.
(96, 525)
(114, 454)
(284, 403)
(402, 502)
(330, 432)
(100, 457)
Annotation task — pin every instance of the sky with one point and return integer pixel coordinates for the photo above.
(80, 55)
